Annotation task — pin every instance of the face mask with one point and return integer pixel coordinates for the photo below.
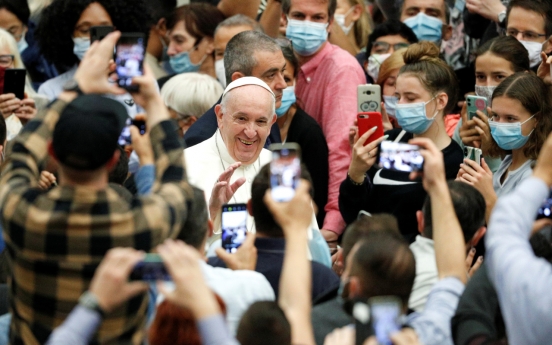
(508, 135)
(343, 289)
(181, 63)
(412, 116)
(425, 27)
(22, 44)
(307, 37)
(288, 98)
(80, 46)
(534, 49)
(374, 64)
(485, 91)
(340, 19)
(390, 104)
(220, 72)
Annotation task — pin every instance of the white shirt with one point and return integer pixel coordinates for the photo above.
(238, 290)
(205, 163)
(426, 272)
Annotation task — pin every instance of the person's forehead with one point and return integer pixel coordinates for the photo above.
(525, 20)
(267, 60)
(225, 34)
(392, 39)
(424, 5)
(248, 95)
(309, 6)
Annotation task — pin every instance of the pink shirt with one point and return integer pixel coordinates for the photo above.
(327, 90)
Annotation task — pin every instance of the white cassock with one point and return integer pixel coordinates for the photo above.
(207, 160)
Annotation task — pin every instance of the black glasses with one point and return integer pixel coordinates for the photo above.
(526, 35)
(6, 60)
(383, 47)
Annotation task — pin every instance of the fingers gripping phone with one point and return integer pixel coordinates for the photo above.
(473, 153)
(400, 157)
(385, 312)
(367, 121)
(14, 82)
(285, 170)
(234, 226)
(129, 58)
(475, 103)
(125, 137)
(369, 98)
(150, 269)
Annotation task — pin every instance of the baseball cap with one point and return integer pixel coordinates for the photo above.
(85, 136)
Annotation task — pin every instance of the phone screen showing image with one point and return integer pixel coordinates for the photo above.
(151, 268)
(400, 157)
(129, 58)
(234, 226)
(545, 211)
(285, 172)
(385, 320)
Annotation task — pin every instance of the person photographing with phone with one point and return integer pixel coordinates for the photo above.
(426, 89)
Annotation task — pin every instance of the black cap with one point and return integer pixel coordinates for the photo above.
(86, 134)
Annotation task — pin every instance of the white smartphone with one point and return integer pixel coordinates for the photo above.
(473, 153)
(369, 98)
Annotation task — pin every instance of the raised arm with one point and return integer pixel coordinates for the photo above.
(296, 280)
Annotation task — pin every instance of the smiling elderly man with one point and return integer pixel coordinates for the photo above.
(234, 155)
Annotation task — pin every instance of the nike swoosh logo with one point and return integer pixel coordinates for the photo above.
(384, 181)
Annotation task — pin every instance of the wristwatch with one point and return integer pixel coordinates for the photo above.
(72, 86)
(502, 19)
(90, 301)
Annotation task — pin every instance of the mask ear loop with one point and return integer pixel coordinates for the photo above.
(436, 110)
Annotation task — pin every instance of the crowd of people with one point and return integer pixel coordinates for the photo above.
(114, 192)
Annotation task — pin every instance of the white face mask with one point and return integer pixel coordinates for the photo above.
(220, 72)
(485, 91)
(374, 64)
(534, 49)
(340, 19)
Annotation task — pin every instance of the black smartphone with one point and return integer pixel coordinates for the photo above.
(151, 268)
(125, 137)
(545, 211)
(400, 157)
(14, 82)
(285, 170)
(234, 226)
(129, 59)
(385, 312)
(97, 33)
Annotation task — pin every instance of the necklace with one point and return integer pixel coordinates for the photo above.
(243, 170)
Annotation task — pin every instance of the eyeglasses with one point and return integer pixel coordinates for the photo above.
(6, 60)
(383, 47)
(527, 35)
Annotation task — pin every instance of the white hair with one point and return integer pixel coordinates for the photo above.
(191, 93)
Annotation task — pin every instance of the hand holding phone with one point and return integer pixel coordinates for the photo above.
(129, 59)
(473, 153)
(285, 170)
(385, 312)
(234, 226)
(150, 269)
(125, 137)
(475, 103)
(369, 120)
(14, 82)
(97, 33)
(400, 157)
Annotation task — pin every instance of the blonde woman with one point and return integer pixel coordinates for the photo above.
(354, 21)
(16, 112)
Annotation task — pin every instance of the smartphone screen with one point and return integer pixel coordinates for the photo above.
(545, 211)
(125, 137)
(234, 226)
(151, 268)
(285, 171)
(129, 58)
(400, 157)
(385, 313)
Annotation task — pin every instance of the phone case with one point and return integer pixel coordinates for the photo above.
(14, 82)
(369, 98)
(97, 33)
(473, 153)
(369, 120)
(476, 103)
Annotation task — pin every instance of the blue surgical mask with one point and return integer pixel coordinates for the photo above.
(81, 46)
(288, 99)
(307, 37)
(425, 27)
(181, 63)
(412, 117)
(508, 136)
(390, 104)
(22, 44)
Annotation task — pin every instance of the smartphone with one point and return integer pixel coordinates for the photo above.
(400, 157)
(151, 268)
(14, 82)
(129, 59)
(473, 153)
(385, 312)
(545, 211)
(125, 137)
(476, 103)
(361, 314)
(234, 226)
(369, 98)
(368, 120)
(285, 170)
(97, 33)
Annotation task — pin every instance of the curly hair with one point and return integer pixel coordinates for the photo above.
(55, 30)
(533, 94)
